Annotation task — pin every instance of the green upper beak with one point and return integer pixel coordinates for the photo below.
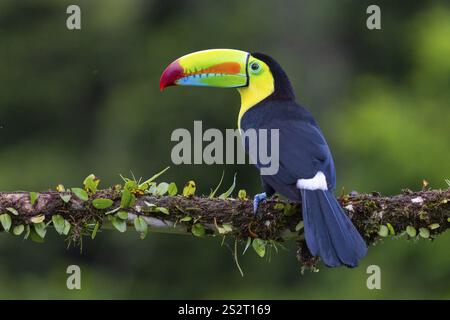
(221, 68)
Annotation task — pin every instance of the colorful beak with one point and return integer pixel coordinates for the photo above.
(221, 68)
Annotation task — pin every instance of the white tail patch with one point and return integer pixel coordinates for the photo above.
(319, 182)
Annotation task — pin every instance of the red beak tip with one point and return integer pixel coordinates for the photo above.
(173, 72)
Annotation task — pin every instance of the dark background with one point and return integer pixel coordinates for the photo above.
(79, 102)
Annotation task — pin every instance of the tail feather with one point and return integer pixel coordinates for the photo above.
(329, 233)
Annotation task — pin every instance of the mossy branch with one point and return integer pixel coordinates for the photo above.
(422, 214)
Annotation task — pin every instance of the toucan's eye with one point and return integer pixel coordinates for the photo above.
(255, 67)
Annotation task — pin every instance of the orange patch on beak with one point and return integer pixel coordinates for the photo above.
(225, 68)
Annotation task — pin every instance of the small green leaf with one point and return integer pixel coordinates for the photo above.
(33, 197)
(140, 224)
(102, 203)
(228, 193)
(411, 231)
(58, 223)
(299, 226)
(6, 221)
(189, 189)
(67, 227)
(131, 185)
(279, 206)
(91, 183)
(448, 219)
(391, 229)
(162, 210)
(66, 197)
(289, 210)
(162, 188)
(424, 233)
(119, 224)
(38, 219)
(126, 199)
(152, 188)
(40, 229)
(198, 230)
(34, 236)
(13, 211)
(242, 194)
(173, 190)
(227, 227)
(94, 232)
(122, 215)
(17, 230)
(213, 192)
(186, 219)
(27, 232)
(434, 226)
(259, 246)
(154, 177)
(247, 245)
(383, 231)
(80, 193)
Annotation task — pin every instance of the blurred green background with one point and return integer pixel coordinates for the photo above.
(88, 101)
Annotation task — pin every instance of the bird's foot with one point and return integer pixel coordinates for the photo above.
(256, 200)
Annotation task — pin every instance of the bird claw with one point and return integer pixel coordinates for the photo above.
(256, 200)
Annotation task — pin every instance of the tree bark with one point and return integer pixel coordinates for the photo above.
(425, 213)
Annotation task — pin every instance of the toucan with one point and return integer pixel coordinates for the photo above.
(306, 168)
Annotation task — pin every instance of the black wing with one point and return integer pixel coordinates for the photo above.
(303, 150)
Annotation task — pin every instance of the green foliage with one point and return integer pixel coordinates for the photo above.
(242, 194)
(172, 190)
(40, 229)
(162, 210)
(161, 189)
(186, 219)
(33, 197)
(424, 233)
(299, 226)
(225, 228)
(228, 193)
(148, 181)
(13, 211)
(5, 220)
(198, 230)
(38, 219)
(80, 193)
(65, 197)
(62, 226)
(189, 189)
(101, 203)
(95, 230)
(391, 229)
(17, 230)
(141, 226)
(91, 183)
(383, 231)
(127, 198)
(119, 224)
(122, 215)
(213, 192)
(259, 246)
(411, 231)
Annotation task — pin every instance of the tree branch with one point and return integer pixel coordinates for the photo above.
(422, 214)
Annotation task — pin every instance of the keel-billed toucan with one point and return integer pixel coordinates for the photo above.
(306, 169)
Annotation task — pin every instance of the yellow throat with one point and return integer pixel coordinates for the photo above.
(260, 87)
